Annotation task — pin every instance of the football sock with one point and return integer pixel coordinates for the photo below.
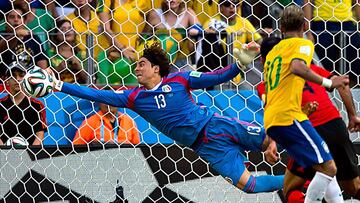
(295, 196)
(317, 188)
(266, 183)
(333, 192)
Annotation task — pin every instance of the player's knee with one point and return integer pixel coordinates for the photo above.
(331, 169)
(328, 168)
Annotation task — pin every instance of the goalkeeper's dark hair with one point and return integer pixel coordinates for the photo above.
(157, 56)
(267, 44)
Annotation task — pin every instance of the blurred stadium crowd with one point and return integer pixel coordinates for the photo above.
(97, 42)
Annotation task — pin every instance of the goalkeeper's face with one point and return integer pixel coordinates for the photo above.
(146, 72)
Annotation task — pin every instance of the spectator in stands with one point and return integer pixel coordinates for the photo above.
(19, 44)
(206, 9)
(123, 21)
(330, 19)
(49, 5)
(227, 21)
(267, 27)
(85, 22)
(67, 59)
(107, 126)
(20, 115)
(38, 20)
(174, 15)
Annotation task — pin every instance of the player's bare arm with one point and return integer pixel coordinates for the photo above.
(299, 68)
(271, 152)
(346, 96)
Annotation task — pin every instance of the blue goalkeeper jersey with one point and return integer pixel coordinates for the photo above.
(169, 106)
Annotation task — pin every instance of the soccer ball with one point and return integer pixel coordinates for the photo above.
(37, 82)
(16, 141)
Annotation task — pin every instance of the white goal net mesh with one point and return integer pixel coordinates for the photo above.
(95, 43)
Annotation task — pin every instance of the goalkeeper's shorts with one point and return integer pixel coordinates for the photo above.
(223, 142)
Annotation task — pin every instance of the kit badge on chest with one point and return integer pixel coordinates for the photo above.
(166, 88)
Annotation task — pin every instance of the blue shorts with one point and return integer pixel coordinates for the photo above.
(223, 142)
(302, 142)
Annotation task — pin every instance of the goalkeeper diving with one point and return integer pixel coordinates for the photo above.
(165, 101)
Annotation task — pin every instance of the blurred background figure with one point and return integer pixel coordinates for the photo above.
(122, 20)
(172, 15)
(65, 57)
(19, 44)
(334, 24)
(20, 115)
(107, 126)
(218, 31)
(37, 17)
(206, 9)
(85, 21)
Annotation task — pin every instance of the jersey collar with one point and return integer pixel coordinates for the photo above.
(156, 86)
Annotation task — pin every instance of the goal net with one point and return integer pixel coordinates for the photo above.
(95, 43)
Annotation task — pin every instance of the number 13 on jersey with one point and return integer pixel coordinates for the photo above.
(160, 101)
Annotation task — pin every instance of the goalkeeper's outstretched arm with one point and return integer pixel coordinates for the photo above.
(243, 58)
(118, 99)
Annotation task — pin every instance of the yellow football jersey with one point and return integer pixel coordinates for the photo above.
(283, 88)
(246, 32)
(206, 9)
(333, 10)
(127, 18)
(93, 27)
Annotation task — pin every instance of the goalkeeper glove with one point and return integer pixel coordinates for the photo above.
(57, 84)
(245, 55)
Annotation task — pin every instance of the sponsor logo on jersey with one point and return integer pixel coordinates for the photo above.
(166, 88)
(305, 50)
(119, 91)
(195, 74)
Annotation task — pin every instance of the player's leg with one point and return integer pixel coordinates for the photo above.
(253, 137)
(336, 135)
(323, 184)
(264, 183)
(222, 150)
(293, 188)
(305, 145)
(295, 178)
(226, 158)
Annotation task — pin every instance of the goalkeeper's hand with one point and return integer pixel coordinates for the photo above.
(247, 54)
(57, 84)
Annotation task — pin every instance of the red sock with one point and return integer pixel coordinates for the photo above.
(295, 196)
(306, 184)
